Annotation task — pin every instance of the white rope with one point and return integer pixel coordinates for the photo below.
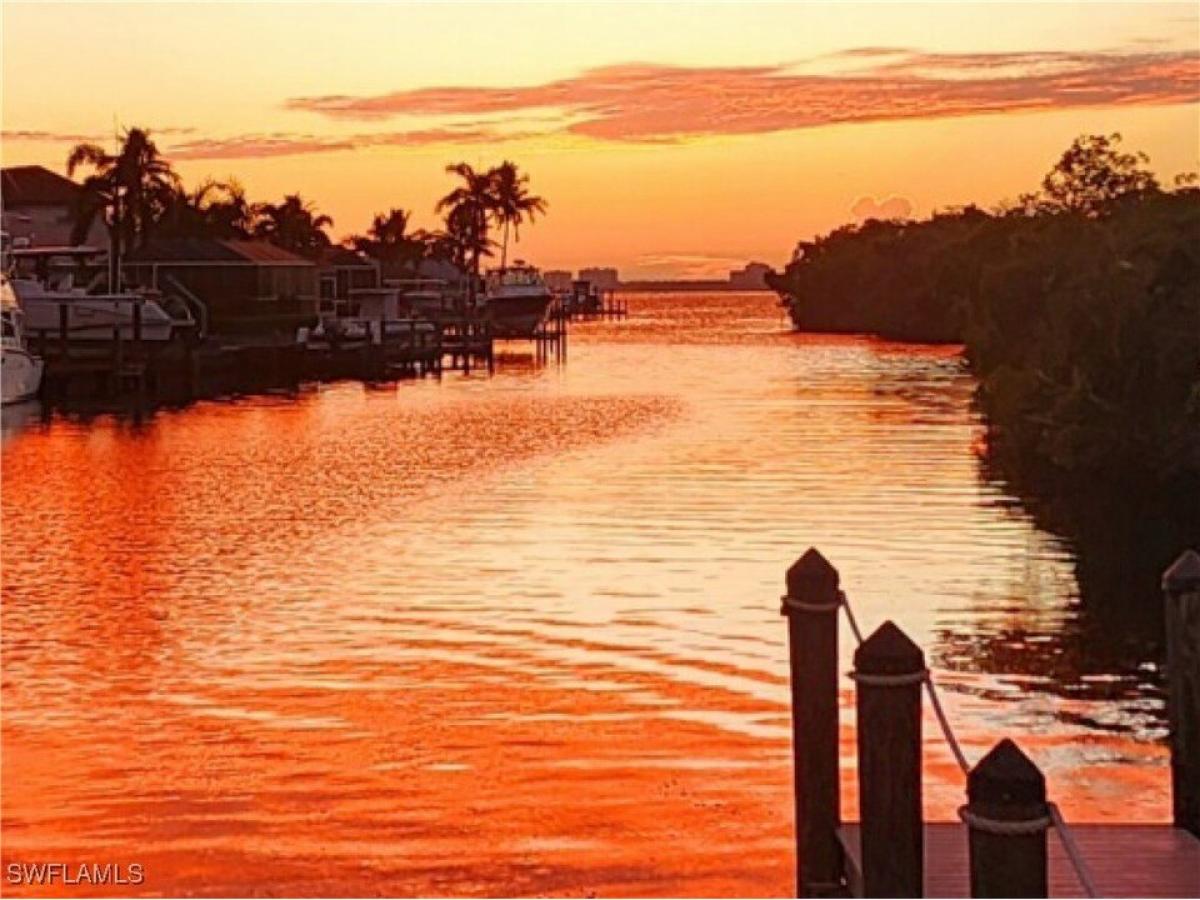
(1073, 852)
(955, 747)
(1004, 827)
(874, 680)
(980, 823)
(790, 602)
(844, 603)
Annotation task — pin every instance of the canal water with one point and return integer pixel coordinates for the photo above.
(521, 634)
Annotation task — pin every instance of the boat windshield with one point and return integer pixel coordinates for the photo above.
(518, 276)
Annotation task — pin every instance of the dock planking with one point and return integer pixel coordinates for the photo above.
(1125, 861)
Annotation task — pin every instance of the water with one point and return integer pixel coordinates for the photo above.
(520, 634)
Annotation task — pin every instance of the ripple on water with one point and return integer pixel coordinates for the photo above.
(519, 634)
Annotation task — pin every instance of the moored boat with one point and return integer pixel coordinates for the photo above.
(43, 279)
(20, 370)
(368, 316)
(517, 300)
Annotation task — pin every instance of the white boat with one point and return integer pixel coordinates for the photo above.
(517, 300)
(428, 298)
(369, 315)
(20, 370)
(46, 293)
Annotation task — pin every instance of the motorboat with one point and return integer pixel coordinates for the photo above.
(367, 316)
(20, 369)
(517, 300)
(45, 282)
(429, 298)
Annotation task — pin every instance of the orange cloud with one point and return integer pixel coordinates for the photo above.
(246, 146)
(649, 102)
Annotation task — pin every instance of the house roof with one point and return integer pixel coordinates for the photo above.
(36, 186)
(206, 250)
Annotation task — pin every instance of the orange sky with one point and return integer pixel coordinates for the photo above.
(669, 138)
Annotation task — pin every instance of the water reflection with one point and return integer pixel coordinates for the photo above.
(520, 634)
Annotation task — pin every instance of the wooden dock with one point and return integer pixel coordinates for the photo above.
(603, 305)
(128, 366)
(1012, 841)
(1125, 861)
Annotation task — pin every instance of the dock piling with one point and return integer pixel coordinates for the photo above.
(811, 607)
(889, 671)
(1181, 590)
(1007, 818)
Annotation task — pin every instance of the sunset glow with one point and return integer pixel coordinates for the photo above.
(667, 142)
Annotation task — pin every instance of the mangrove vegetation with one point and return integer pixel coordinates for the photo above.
(1078, 306)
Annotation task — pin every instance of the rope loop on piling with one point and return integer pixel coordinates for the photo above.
(1005, 827)
(903, 680)
(795, 603)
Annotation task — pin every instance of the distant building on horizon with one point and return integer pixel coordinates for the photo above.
(752, 277)
(604, 278)
(558, 279)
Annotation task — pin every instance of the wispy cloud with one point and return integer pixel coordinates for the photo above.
(686, 265)
(48, 137)
(249, 146)
(67, 137)
(650, 102)
(246, 146)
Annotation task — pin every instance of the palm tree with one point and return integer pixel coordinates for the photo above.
(468, 209)
(513, 202)
(293, 225)
(232, 216)
(133, 187)
(215, 209)
(389, 241)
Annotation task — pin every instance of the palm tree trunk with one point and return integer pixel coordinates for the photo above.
(504, 248)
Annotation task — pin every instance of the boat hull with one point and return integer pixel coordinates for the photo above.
(93, 320)
(517, 316)
(20, 375)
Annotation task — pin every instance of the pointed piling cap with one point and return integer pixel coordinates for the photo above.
(1006, 776)
(812, 579)
(889, 651)
(1183, 577)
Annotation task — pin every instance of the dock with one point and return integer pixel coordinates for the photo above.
(1125, 861)
(603, 305)
(1011, 840)
(128, 365)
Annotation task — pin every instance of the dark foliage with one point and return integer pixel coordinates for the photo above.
(1079, 311)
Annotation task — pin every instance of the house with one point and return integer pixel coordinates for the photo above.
(342, 270)
(244, 286)
(38, 206)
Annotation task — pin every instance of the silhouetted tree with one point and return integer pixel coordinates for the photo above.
(1092, 173)
(131, 188)
(293, 225)
(513, 203)
(469, 208)
(389, 242)
(1079, 313)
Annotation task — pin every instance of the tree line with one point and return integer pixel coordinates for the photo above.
(138, 195)
(1078, 305)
